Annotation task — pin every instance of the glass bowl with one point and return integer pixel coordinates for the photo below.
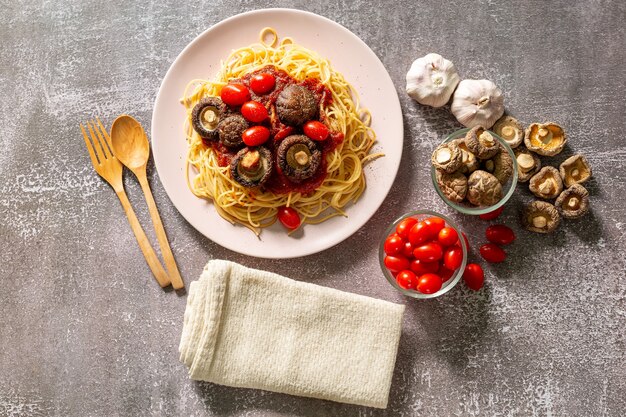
(507, 189)
(450, 283)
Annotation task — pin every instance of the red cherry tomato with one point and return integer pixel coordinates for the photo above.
(474, 276)
(500, 234)
(394, 245)
(492, 215)
(407, 250)
(315, 130)
(283, 133)
(448, 236)
(405, 226)
(492, 253)
(255, 135)
(421, 268)
(453, 258)
(396, 263)
(429, 283)
(235, 94)
(262, 83)
(407, 280)
(254, 111)
(428, 252)
(289, 217)
(467, 245)
(436, 224)
(445, 273)
(420, 233)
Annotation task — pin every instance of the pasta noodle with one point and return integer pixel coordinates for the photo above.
(344, 182)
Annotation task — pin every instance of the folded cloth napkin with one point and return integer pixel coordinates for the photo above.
(255, 329)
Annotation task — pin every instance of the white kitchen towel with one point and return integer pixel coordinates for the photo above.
(255, 329)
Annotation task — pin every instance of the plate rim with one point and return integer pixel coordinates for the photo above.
(308, 249)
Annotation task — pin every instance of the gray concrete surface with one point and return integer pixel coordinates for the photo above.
(84, 330)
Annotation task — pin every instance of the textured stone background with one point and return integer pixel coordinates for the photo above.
(84, 330)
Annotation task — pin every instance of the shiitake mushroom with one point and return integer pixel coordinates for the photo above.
(546, 183)
(481, 143)
(296, 105)
(298, 157)
(230, 130)
(540, 217)
(483, 189)
(573, 202)
(252, 167)
(206, 116)
(447, 157)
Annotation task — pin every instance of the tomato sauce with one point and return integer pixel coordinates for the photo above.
(278, 183)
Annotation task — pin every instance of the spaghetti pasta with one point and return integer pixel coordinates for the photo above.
(344, 181)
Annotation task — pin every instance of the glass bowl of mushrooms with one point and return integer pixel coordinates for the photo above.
(423, 254)
(474, 171)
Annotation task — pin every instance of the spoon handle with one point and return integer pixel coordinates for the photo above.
(166, 251)
(148, 253)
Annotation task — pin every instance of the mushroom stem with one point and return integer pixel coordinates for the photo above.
(508, 132)
(539, 221)
(301, 157)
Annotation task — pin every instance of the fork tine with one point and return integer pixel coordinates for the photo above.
(92, 155)
(97, 144)
(105, 134)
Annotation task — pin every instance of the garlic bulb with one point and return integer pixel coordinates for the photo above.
(477, 103)
(431, 80)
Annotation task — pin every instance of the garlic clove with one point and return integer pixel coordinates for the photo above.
(431, 80)
(477, 103)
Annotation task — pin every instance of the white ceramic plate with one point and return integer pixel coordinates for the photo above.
(349, 55)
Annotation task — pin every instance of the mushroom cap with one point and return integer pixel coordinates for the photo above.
(257, 176)
(205, 124)
(547, 183)
(540, 217)
(573, 202)
(447, 157)
(230, 130)
(547, 139)
(510, 130)
(468, 159)
(296, 105)
(452, 185)
(481, 143)
(289, 159)
(501, 166)
(575, 170)
(483, 189)
(523, 174)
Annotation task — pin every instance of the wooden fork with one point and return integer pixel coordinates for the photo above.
(109, 168)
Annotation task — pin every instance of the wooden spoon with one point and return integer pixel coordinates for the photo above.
(131, 147)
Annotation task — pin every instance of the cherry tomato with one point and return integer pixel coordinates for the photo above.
(262, 83)
(420, 233)
(492, 215)
(255, 135)
(235, 94)
(396, 263)
(500, 234)
(254, 111)
(453, 258)
(436, 224)
(445, 273)
(429, 283)
(289, 217)
(492, 253)
(407, 250)
(467, 245)
(407, 280)
(474, 276)
(428, 252)
(405, 226)
(394, 245)
(421, 268)
(283, 133)
(448, 236)
(315, 130)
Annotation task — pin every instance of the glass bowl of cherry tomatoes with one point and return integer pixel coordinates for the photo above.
(423, 254)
